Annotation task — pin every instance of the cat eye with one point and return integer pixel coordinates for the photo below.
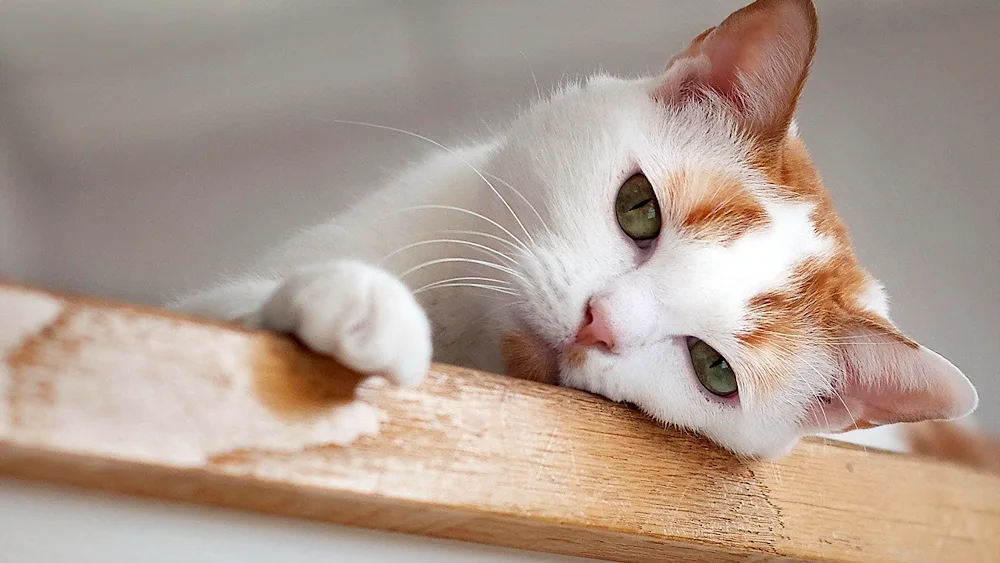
(637, 210)
(712, 369)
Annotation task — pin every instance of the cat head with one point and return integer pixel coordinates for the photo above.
(686, 258)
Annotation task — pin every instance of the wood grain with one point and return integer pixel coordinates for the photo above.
(131, 400)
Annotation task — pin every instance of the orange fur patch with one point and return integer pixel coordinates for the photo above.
(712, 206)
(527, 358)
(795, 173)
(822, 294)
(576, 356)
(823, 298)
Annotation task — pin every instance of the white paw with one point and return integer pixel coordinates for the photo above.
(358, 314)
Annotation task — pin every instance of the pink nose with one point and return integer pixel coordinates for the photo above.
(595, 330)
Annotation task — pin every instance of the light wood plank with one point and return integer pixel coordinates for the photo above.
(132, 400)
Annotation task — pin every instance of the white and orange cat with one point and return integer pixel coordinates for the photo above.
(664, 241)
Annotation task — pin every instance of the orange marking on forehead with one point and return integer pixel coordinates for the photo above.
(710, 205)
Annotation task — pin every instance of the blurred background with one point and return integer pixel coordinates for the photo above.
(146, 147)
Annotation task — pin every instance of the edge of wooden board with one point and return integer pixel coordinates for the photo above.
(133, 400)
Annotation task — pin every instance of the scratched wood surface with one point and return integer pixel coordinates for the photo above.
(131, 400)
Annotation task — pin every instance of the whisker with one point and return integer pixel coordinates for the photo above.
(496, 309)
(504, 306)
(813, 339)
(478, 233)
(524, 199)
(469, 212)
(476, 285)
(478, 246)
(442, 147)
(483, 263)
(538, 91)
(808, 363)
(467, 279)
(486, 124)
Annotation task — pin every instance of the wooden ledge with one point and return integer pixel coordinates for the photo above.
(138, 401)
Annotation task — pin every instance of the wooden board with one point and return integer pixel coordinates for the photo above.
(130, 400)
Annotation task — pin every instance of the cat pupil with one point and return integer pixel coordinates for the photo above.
(635, 195)
(640, 204)
(712, 369)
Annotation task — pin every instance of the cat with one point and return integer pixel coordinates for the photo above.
(664, 241)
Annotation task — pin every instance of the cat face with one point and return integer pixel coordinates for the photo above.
(687, 259)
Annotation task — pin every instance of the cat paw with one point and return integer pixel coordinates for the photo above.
(359, 315)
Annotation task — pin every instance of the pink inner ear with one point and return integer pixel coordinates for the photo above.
(899, 404)
(888, 379)
(717, 73)
(756, 60)
(724, 53)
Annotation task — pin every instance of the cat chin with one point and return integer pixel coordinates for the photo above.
(760, 443)
(775, 451)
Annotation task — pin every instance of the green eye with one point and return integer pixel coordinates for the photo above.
(712, 369)
(637, 210)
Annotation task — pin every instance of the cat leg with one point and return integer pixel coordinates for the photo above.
(237, 302)
(356, 313)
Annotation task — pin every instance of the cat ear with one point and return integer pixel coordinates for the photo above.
(756, 61)
(887, 378)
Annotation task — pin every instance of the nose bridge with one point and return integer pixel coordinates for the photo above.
(629, 308)
(574, 265)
